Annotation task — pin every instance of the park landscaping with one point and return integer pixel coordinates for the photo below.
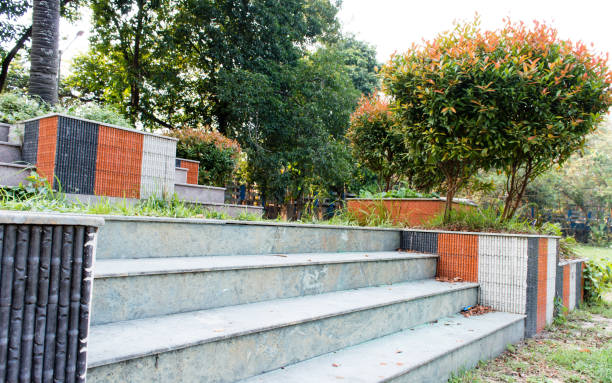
(186, 176)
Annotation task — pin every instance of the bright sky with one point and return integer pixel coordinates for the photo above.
(393, 25)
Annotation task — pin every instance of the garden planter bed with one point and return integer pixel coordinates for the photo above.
(408, 211)
(517, 273)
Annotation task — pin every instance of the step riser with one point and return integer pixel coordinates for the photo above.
(9, 153)
(13, 176)
(140, 238)
(135, 297)
(440, 370)
(248, 355)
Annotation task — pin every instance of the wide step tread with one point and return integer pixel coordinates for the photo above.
(414, 351)
(120, 341)
(108, 268)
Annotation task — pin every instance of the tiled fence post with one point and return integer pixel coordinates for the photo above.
(517, 273)
(46, 277)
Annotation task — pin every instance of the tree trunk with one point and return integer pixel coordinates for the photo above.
(11, 55)
(44, 54)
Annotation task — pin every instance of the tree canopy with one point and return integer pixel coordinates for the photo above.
(517, 99)
(275, 75)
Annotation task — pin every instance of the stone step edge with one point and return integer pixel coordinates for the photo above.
(454, 287)
(510, 320)
(282, 260)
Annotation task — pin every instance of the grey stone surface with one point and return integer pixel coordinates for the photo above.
(428, 353)
(13, 174)
(4, 132)
(199, 193)
(485, 233)
(180, 176)
(223, 345)
(142, 288)
(10, 152)
(132, 237)
(31, 218)
(233, 210)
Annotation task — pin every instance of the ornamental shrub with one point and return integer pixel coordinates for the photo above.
(518, 99)
(218, 155)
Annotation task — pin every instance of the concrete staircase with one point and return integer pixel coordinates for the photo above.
(12, 170)
(353, 310)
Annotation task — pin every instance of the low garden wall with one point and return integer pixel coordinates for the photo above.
(570, 283)
(45, 296)
(410, 211)
(517, 273)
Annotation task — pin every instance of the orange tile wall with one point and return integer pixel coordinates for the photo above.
(118, 163)
(410, 212)
(192, 171)
(542, 281)
(458, 256)
(47, 146)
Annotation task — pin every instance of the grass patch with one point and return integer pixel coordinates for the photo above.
(488, 220)
(592, 252)
(578, 349)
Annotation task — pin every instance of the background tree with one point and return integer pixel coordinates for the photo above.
(15, 35)
(552, 93)
(376, 140)
(218, 155)
(44, 55)
(434, 87)
(248, 70)
(518, 99)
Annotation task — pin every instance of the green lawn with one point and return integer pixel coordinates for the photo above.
(594, 252)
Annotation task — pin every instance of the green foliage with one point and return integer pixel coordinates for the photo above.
(217, 154)
(567, 247)
(518, 99)
(595, 365)
(403, 192)
(597, 278)
(600, 234)
(38, 195)
(359, 58)
(16, 107)
(245, 67)
(488, 220)
(376, 140)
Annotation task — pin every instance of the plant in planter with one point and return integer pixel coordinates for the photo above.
(517, 99)
(218, 155)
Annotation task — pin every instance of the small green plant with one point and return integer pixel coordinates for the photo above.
(597, 278)
(600, 235)
(218, 155)
(403, 192)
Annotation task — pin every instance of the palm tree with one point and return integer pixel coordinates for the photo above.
(44, 54)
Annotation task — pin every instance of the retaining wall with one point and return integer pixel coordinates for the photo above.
(516, 273)
(140, 237)
(87, 157)
(45, 296)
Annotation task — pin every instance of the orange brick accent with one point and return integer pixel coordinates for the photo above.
(192, 171)
(566, 285)
(542, 281)
(118, 163)
(47, 146)
(458, 256)
(410, 212)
